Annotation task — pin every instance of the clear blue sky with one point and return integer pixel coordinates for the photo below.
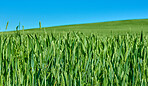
(65, 12)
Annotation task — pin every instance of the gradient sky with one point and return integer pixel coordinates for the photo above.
(65, 12)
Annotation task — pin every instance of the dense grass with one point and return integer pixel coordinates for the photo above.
(73, 59)
(103, 28)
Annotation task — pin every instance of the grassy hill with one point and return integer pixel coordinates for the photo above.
(102, 28)
(76, 59)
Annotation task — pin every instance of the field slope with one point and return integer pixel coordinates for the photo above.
(116, 27)
(74, 58)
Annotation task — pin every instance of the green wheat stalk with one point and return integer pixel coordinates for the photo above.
(40, 25)
(7, 25)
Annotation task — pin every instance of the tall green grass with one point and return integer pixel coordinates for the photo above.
(7, 25)
(73, 59)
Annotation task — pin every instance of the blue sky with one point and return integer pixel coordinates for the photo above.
(65, 12)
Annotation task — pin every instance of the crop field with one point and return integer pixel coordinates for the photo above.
(73, 59)
(102, 28)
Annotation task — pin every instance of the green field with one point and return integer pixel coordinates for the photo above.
(76, 55)
(103, 28)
